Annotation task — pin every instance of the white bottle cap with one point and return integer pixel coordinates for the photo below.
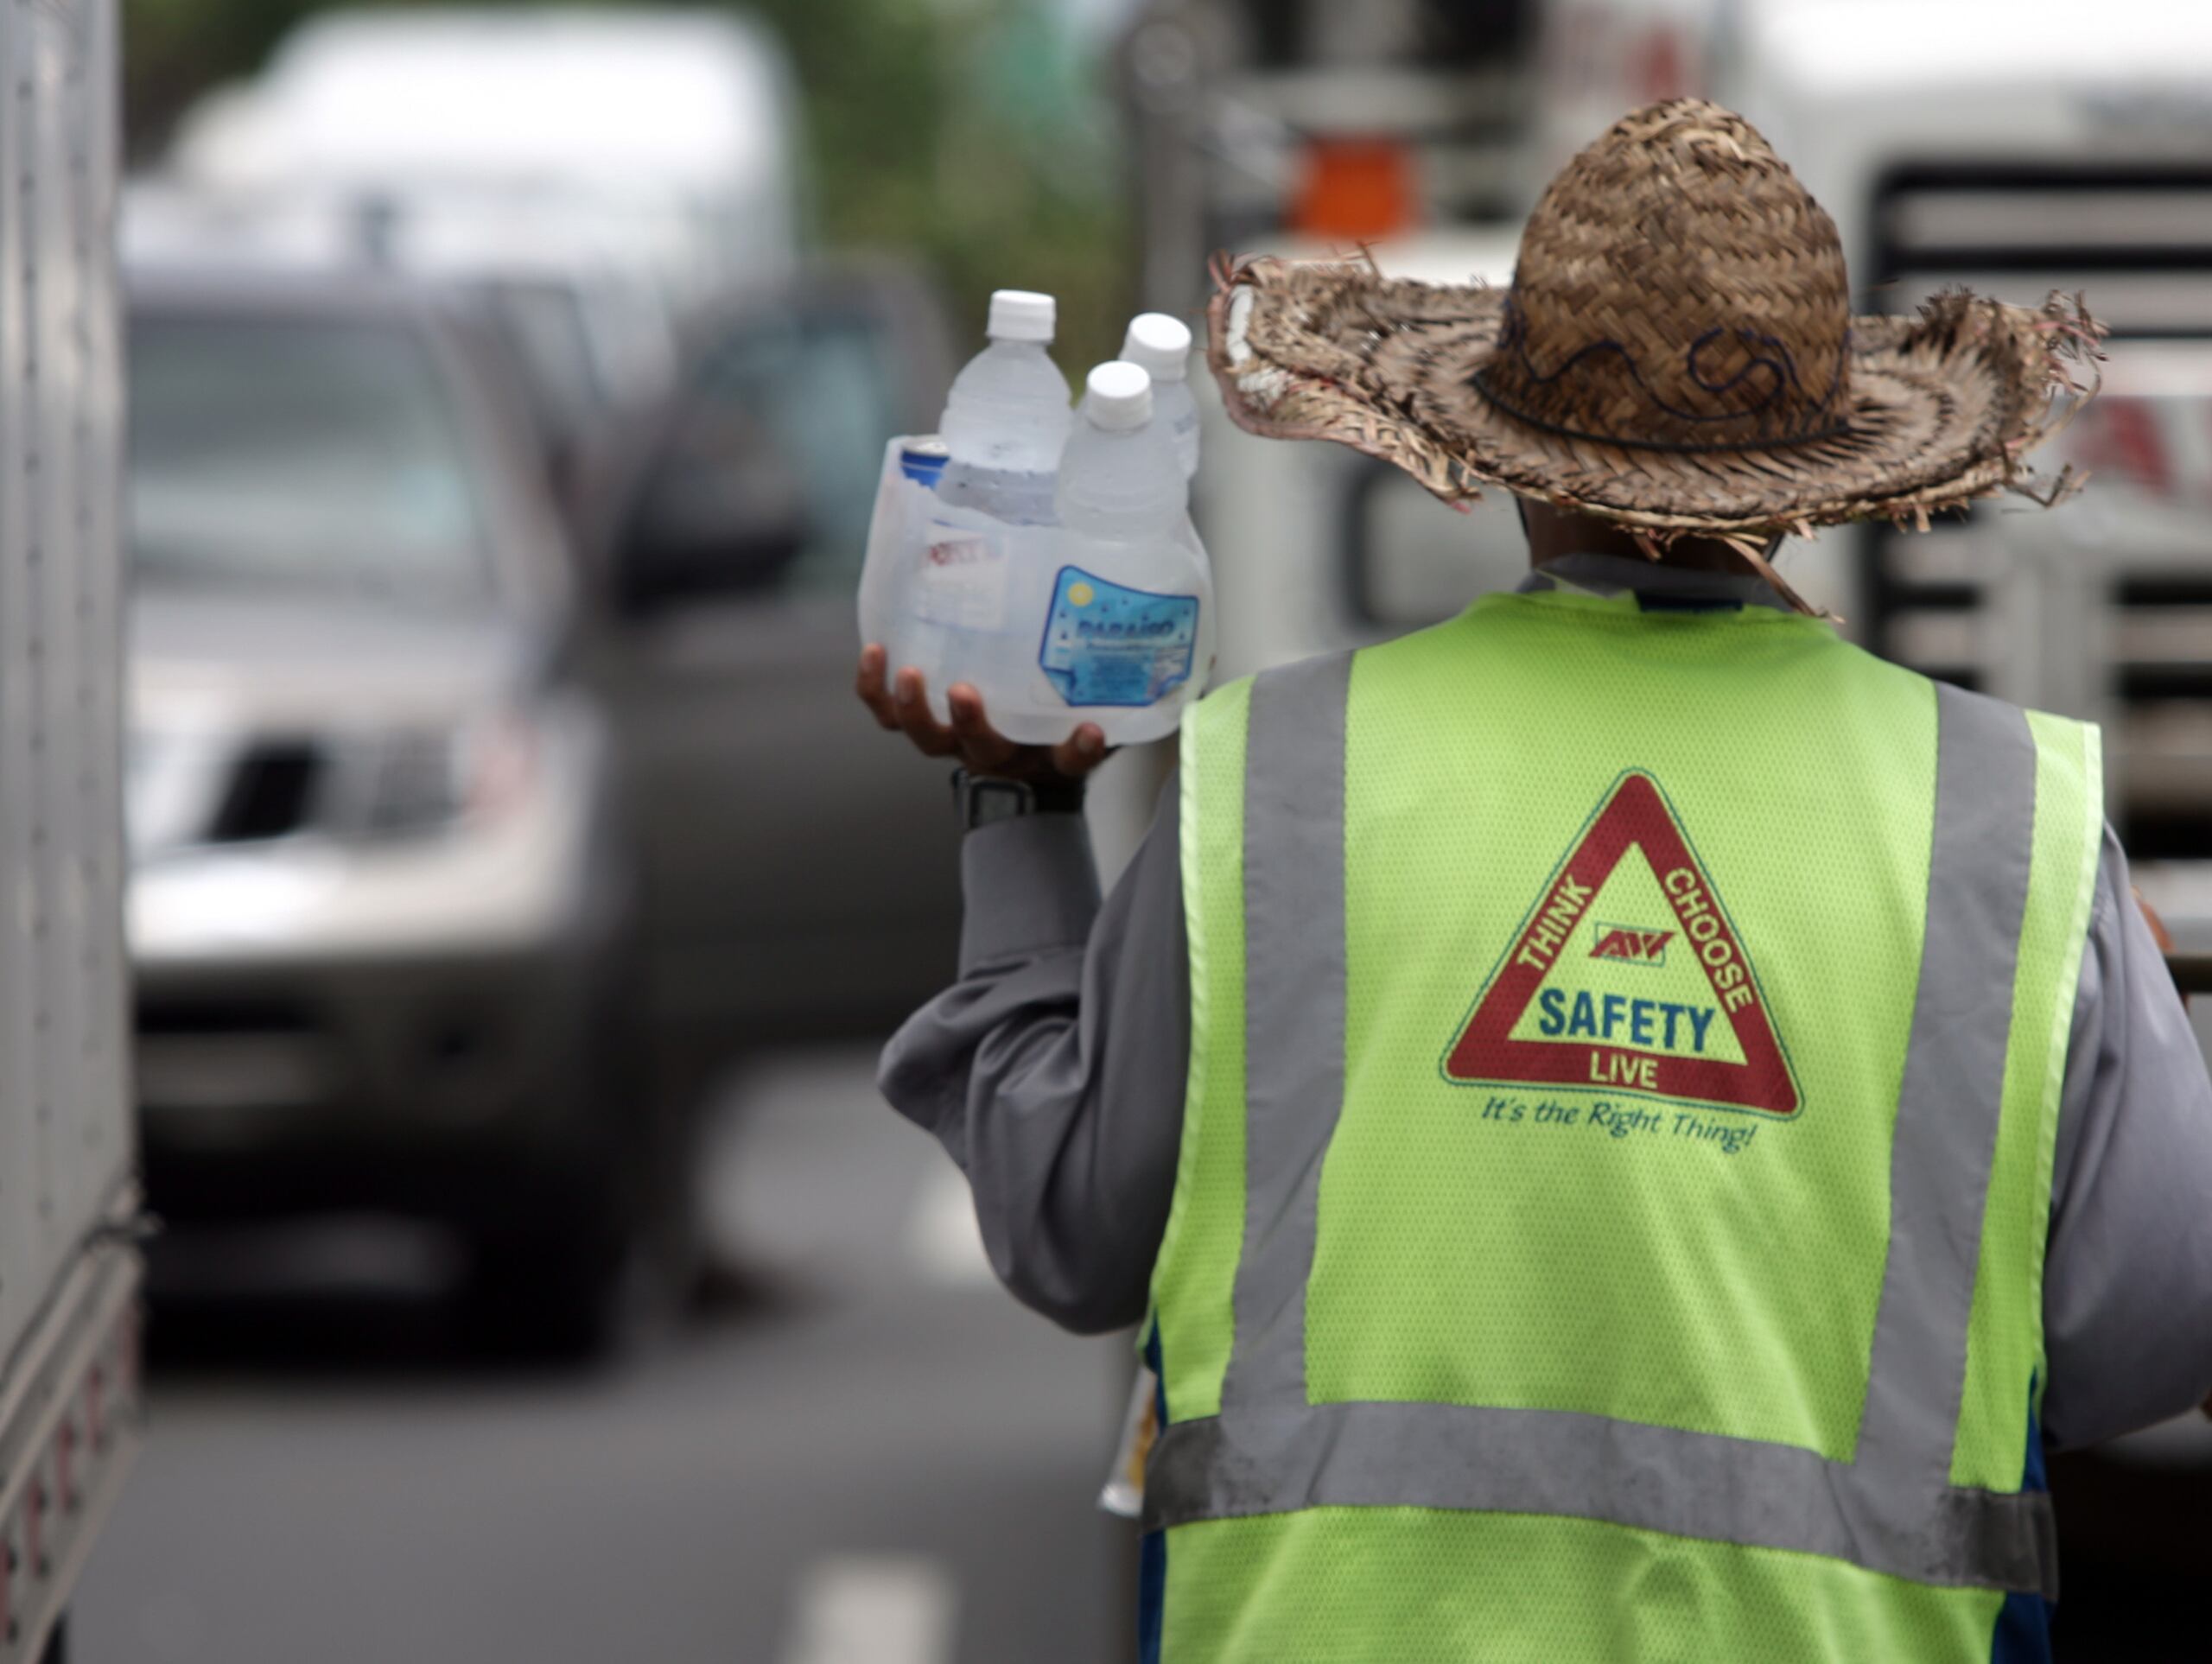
(1118, 397)
(1159, 343)
(1019, 315)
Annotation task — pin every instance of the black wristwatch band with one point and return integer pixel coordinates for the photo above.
(985, 799)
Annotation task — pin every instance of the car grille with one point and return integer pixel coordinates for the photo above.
(413, 787)
(197, 1016)
(2118, 626)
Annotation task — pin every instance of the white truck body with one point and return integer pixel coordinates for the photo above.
(672, 136)
(68, 1269)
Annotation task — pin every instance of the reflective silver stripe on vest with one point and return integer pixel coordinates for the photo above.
(1949, 1103)
(1293, 1012)
(1893, 1509)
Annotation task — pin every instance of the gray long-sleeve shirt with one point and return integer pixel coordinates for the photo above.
(1053, 1073)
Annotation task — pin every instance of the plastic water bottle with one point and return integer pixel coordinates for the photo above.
(1120, 478)
(1129, 617)
(1162, 347)
(1008, 418)
(1098, 610)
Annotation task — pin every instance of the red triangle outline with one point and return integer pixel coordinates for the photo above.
(1635, 811)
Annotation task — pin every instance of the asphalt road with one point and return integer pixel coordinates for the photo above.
(865, 1454)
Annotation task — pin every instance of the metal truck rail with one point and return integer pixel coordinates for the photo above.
(2104, 610)
(69, 1269)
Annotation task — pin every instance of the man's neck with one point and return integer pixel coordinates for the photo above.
(1555, 532)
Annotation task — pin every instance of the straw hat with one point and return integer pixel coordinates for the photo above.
(1676, 354)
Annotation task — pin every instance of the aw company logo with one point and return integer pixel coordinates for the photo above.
(1637, 946)
(1672, 1011)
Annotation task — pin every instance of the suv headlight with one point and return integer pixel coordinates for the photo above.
(356, 784)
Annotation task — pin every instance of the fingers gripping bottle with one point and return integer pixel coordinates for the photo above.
(1007, 416)
(1160, 346)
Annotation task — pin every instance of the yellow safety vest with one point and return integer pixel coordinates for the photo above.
(1626, 1052)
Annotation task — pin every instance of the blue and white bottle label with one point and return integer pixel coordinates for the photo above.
(1107, 644)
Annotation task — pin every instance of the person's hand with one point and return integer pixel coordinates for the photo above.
(969, 738)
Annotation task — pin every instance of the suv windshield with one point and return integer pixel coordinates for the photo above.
(290, 452)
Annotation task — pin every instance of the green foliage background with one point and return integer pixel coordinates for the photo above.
(975, 134)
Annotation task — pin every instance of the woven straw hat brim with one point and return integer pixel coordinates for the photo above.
(1941, 408)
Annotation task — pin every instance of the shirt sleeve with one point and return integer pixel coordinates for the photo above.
(2128, 1283)
(1052, 1070)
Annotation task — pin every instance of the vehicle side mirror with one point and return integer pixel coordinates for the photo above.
(718, 512)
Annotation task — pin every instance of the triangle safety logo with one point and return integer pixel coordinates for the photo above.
(1629, 978)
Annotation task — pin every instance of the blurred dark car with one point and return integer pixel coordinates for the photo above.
(461, 866)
